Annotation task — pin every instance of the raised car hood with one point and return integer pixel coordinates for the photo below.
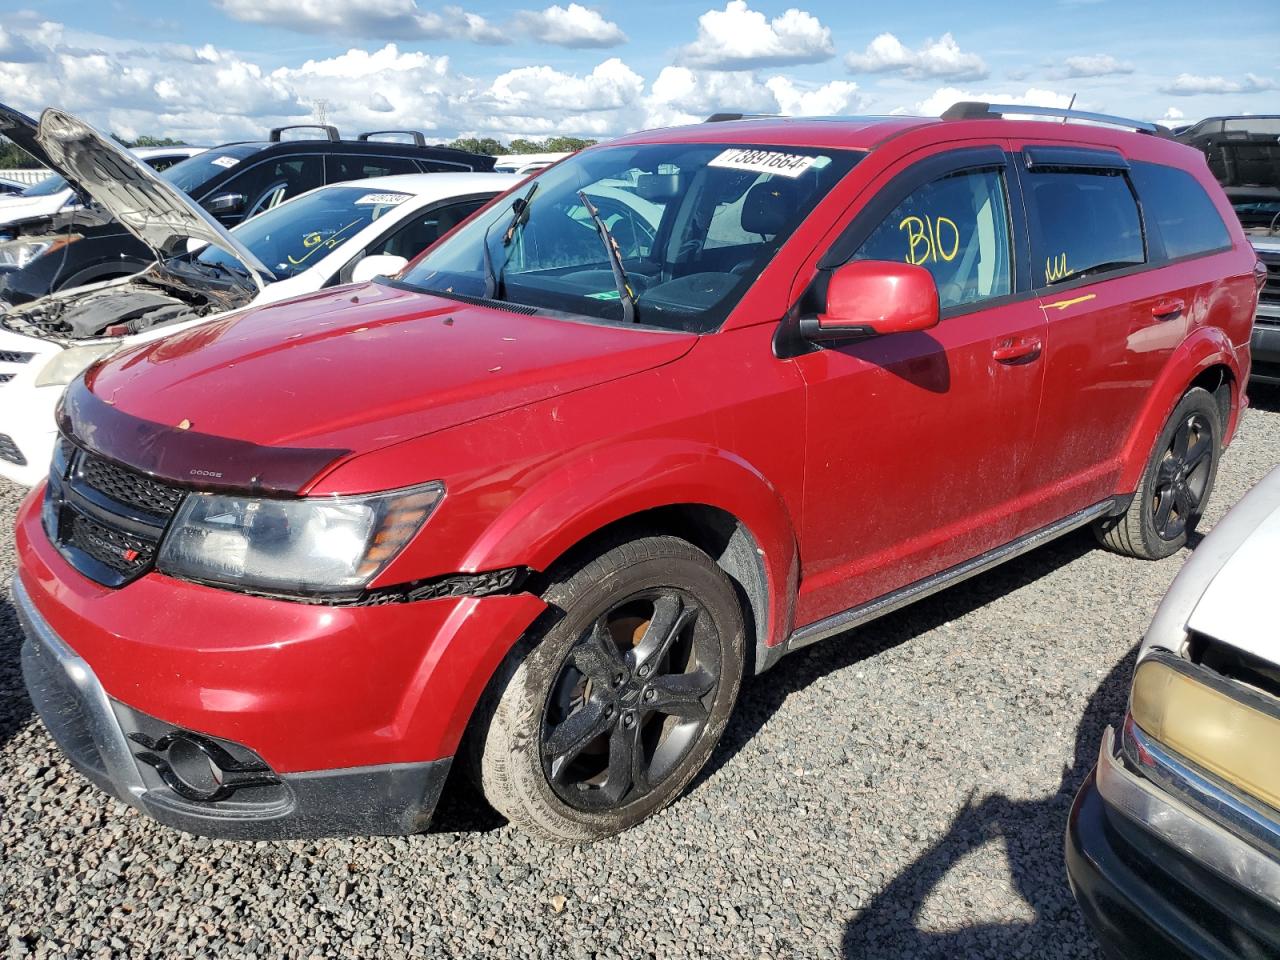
(1237, 607)
(21, 129)
(268, 398)
(156, 212)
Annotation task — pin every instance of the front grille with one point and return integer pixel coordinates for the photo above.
(9, 451)
(129, 487)
(1271, 289)
(105, 519)
(15, 356)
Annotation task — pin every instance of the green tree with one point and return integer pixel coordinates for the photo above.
(479, 145)
(13, 157)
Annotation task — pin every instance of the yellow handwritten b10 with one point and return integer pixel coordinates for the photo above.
(928, 238)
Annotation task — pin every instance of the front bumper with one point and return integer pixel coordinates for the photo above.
(91, 729)
(1265, 344)
(1156, 879)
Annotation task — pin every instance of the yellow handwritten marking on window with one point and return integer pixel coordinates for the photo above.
(314, 242)
(1063, 304)
(1055, 268)
(927, 239)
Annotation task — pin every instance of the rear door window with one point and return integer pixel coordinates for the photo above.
(1178, 212)
(1083, 223)
(423, 229)
(341, 168)
(957, 228)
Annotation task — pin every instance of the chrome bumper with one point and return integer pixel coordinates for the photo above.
(1184, 828)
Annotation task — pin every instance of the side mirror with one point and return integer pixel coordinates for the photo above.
(872, 298)
(226, 204)
(378, 265)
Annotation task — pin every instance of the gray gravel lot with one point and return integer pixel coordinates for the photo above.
(898, 792)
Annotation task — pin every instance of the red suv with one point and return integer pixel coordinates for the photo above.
(683, 403)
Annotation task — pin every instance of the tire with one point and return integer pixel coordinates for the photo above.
(642, 646)
(1175, 486)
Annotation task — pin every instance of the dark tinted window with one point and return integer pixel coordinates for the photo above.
(442, 166)
(1085, 223)
(194, 172)
(958, 229)
(1178, 211)
(166, 161)
(268, 184)
(424, 229)
(342, 168)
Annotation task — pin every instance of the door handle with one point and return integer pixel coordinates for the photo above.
(1017, 350)
(1168, 309)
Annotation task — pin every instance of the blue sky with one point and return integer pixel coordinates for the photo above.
(210, 70)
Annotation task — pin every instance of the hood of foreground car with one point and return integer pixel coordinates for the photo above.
(156, 212)
(1236, 607)
(267, 398)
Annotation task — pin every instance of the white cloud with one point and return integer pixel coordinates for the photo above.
(934, 58)
(526, 90)
(1173, 117)
(15, 49)
(739, 38)
(1189, 84)
(572, 26)
(1097, 65)
(375, 19)
(681, 95)
(940, 99)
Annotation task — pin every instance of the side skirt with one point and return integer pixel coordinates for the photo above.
(889, 602)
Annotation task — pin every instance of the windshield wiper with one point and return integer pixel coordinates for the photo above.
(625, 293)
(520, 216)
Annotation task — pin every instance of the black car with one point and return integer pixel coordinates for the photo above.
(231, 182)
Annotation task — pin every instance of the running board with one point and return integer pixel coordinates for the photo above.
(857, 616)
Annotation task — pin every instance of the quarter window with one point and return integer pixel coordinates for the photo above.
(1084, 223)
(957, 228)
(1184, 217)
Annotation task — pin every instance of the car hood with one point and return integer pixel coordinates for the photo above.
(1236, 606)
(156, 212)
(268, 398)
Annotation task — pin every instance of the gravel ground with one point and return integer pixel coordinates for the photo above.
(875, 796)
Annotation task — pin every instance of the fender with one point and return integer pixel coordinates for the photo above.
(1204, 348)
(586, 495)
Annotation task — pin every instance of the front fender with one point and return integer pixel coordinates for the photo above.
(1205, 348)
(582, 497)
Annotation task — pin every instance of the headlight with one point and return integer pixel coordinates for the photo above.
(67, 364)
(313, 545)
(1208, 726)
(16, 254)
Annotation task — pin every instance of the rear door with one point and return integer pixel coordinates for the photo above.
(918, 442)
(1112, 322)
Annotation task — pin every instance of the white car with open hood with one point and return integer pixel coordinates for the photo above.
(339, 233)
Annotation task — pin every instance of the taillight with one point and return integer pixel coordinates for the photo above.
(1260, 275)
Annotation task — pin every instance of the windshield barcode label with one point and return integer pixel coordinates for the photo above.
(764, 161)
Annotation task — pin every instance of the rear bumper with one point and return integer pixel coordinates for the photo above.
(1265, 345)
(1155, 879)
(93, 731)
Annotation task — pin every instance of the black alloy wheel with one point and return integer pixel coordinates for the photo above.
(1182, 477)
(631, 698)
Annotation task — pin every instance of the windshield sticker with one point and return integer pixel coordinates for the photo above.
(383, 199)
(227, 162)
(764, 161)
(606, 295)
(930, 239)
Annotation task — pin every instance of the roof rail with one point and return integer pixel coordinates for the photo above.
(978, 110)
(419, 138)
(722, 117)
(330, 132)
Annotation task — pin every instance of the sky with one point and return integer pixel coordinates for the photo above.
(208, 71)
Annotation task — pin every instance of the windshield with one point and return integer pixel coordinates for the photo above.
(291, 237)
(694, 225)
(46, 187)
(194, 172)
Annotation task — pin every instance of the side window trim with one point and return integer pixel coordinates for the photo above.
(971, 159)
(1025, 169)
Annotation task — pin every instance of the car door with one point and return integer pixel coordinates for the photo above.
(1110, 330)
(918, 442)
(264, 185)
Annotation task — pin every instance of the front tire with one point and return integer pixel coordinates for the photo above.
(1175, 486)
(613, 702)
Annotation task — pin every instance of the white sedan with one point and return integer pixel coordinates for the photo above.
(335, 234)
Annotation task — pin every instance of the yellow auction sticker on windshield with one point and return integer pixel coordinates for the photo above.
(764, 161)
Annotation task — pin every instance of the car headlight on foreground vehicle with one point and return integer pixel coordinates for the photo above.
(16, 254)
(67, 364)
(1219, 732)
(293, 546)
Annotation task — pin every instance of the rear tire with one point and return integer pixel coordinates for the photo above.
(1175, 485)
(613, 702)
